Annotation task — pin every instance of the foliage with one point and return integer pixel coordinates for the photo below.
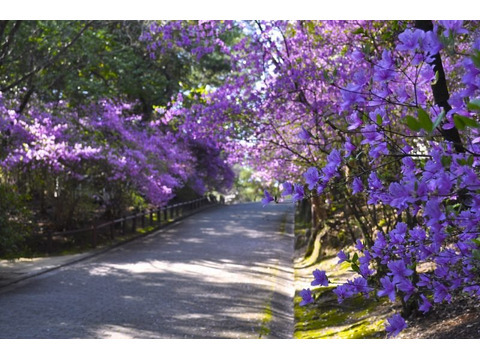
(15, 221)
(80, 123)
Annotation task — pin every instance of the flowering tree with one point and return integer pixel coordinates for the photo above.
(78, 124)
(360, 113)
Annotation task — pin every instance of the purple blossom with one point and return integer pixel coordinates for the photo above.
(440, 293)
(395, 324)
(410, 40)
(357, 186)
(360, 285)
(267, 199)
(406, 287)
(433, 212)
(298, 193)
(453, 27)
(383, 70)
(388, 288)
(399, 270)
(351, 96)
(356, 122)
(431, 44)
(359, 245)
(349, 147)
(304, 134)
(307, 298)
(311, 177)
(343, 292)
(342, 256)
(320, 278)
(425, 306)
(287, 188)
(379, 245)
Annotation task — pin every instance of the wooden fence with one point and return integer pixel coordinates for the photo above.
(121, 229)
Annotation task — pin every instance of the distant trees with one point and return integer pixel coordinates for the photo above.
(80, 129)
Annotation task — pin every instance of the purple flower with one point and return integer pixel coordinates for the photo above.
(342, 256)
(298, 193)
(356, 122)
(395, 324)
(287, 188)
(304, 134)
(351, 96)
(334, 158)
(425, 305)
(383, 71)
(453, 26)
(407, 288)
(357, 185)
(410, 40)
(349, 147)
(365, 270)
(311, 177)
(440, 293)
(379, 245)
(433, 212)
(320, 278)
(306, 295)
(359, 245)
(343, 292)
(388, 288)
(431, 45)
(267, 199)
(399, 271)
(361, 286)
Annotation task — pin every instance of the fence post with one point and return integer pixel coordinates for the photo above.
(94, 234)
(151, 217)
(112, 230)
(49, 241)
(143, 218)
(134, 223)
(159, 212)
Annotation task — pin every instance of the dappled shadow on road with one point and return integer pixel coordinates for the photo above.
(219, 274)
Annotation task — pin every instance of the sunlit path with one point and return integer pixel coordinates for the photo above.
(223, 273)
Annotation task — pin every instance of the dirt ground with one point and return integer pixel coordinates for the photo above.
(458, 320)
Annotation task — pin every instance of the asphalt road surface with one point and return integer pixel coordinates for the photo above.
(225, 272)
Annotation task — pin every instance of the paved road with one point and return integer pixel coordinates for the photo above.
(223, 273)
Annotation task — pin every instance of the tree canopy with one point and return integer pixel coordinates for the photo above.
(377, 118)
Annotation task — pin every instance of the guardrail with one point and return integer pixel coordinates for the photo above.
(122, 229)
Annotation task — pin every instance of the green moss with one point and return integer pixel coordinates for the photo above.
(267, 318)
(326, 318)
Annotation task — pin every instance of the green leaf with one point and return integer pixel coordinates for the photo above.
(446, 161)
(379, 119)
(476, 241)
(470, 160)
(413, 123)
(458, 120)
(355, 258)
(358, 31)
(474, 105)
(437, 76)
(475, 253)
(476, 59)
(355, 268)
(461, 122)
(439, 120)
(424, 120)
